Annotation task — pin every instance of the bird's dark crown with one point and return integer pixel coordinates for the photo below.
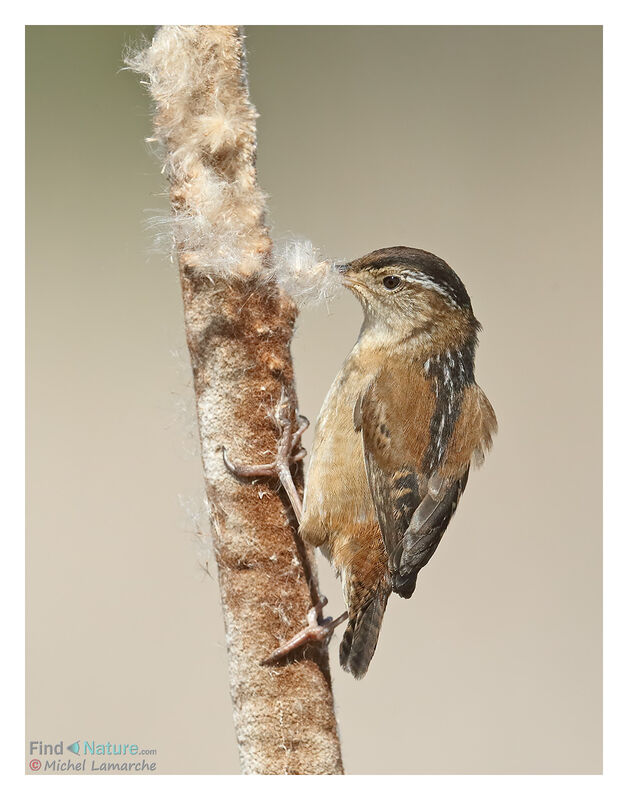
(431, 267)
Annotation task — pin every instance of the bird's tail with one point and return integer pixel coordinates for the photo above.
(361, 635)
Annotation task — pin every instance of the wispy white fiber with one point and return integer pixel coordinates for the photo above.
(197, 521)
(205, 126)
(299, 269)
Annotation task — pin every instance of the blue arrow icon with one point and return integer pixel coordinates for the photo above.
(74, 747)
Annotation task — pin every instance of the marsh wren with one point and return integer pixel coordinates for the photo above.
(394, 441)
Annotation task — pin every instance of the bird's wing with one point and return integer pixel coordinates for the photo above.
(413, 506)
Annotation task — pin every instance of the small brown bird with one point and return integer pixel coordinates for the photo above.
(399, 429)
(396, 436)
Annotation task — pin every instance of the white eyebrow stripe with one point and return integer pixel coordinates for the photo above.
(428, 283)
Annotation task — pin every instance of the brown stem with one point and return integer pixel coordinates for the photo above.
(239, 326)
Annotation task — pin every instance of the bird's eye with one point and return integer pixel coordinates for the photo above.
(391, 281)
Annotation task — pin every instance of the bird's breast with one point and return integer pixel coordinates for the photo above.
(337, 495)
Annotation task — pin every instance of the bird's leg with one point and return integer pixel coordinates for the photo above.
(281, 466)
(318, 630)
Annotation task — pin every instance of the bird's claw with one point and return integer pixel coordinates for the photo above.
(249, 470)
(318, 630)
(285, 458)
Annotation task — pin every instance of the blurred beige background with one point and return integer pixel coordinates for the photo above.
(481, 144)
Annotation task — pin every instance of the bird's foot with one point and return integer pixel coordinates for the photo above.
(285, 458)
(318, 630)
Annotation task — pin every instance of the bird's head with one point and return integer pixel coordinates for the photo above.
(408, 292)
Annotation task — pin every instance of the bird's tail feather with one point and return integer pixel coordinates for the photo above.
(361, 635)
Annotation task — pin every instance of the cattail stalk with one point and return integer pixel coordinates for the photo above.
(239, 324)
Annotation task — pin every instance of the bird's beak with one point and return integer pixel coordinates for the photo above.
(345, 275)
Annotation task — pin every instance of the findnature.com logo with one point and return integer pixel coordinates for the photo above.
(89, 748)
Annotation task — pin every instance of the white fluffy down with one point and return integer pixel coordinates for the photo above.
(299, 269)
(204, 120)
